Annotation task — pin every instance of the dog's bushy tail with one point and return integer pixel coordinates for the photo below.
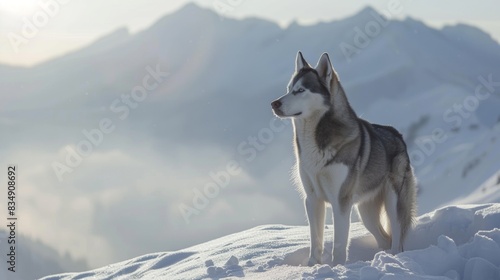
(407, 196)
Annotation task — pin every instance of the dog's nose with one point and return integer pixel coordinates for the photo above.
(276, 104)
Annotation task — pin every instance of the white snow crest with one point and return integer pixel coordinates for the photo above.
(455, 242)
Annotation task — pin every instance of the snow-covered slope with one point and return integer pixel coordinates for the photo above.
(456, 242)
(488, 192)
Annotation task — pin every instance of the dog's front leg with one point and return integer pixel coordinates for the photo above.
(315, 209)
(341, 222)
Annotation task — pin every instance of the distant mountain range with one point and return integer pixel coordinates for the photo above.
(222, 76)
(35, 259)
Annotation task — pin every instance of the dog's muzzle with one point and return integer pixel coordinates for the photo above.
(276, 105)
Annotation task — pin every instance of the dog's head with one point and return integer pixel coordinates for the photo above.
(309, 90)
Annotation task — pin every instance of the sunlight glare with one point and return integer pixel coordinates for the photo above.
(18, 7)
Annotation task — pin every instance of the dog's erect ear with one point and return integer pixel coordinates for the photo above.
(325, 69)
(300, 62)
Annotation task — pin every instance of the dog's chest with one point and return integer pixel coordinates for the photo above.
(309, 156)
(317, 165)
(324, 176)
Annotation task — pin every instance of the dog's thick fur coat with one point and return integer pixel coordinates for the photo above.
(344, 160)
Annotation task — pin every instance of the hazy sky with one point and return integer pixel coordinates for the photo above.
(79, 22)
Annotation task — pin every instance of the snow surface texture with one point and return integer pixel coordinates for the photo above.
(454, 242)
(488, 192)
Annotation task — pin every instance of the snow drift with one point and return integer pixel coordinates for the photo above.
(454, 242)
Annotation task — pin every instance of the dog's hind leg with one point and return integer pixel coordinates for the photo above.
(315, 209)
(370, 212)
(392, 205)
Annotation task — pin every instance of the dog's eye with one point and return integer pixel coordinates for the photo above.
(297, 91)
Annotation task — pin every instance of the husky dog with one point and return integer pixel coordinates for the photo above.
(344, 160)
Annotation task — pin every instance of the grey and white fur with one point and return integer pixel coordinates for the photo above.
(343, 160)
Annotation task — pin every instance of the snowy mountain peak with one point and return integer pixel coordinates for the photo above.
(366, 13)
(192, 8)
(361, 18)
(188, 14)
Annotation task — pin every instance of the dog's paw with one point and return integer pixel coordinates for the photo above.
(339, 258)
(336, 262)
(313, 261)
